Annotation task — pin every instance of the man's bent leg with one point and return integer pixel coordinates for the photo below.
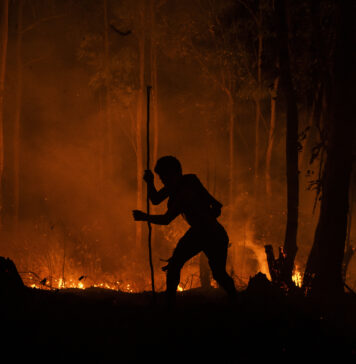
(217, 260)
(225, 281)
(187, 247)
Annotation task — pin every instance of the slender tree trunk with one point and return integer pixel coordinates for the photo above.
(231, 171)
(290, 242)
(258, 111)
(324, 268)
(231, 154)
(4, 14)
(271, 135)
(101, 141)
(109, 137)
(154, 103)
(17, 120)
(153, 95)
(139, 125)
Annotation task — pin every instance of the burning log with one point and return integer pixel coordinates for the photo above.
(278, 267)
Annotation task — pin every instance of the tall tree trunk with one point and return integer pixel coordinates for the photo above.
(17, 120)
(139, 124)
(324, 267)
(153, 96)
(3, 48)
(153, 62)
(290, 242)
(231, 154)
(101, 141)
(314, 120)
(258, 109)
(231, 171)
(108, 115)
(271, 134)
(320, 78)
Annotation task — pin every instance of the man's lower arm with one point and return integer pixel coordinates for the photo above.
(158, 219)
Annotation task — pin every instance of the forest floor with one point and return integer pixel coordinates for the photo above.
(103, 326)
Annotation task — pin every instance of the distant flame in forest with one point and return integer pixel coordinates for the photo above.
(297, 277)
(74, 283)
(52, 268)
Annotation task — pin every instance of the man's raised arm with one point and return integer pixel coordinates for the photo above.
(155, 196)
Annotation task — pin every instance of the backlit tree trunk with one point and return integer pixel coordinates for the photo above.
(290, 242)
(154, 100)
(108, 115)
(230, 217)
(304, 155)
(271, 135)
(324, 268)
(4, 14)
(258, 105)
(139, 123)
(231, 154)
(17, 119)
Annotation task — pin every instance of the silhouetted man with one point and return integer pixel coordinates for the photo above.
(187, 196)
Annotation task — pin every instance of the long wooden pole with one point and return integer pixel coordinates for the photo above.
(147, 200)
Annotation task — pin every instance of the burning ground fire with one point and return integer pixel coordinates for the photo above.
(80, 283)
(51, 268)
(75, 283)
(34, 282)
(190, 279)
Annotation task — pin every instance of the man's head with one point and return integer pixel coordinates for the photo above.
(169, 169)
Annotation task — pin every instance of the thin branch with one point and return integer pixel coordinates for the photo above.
(43, 20)
(254, 17)
(34, 60)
